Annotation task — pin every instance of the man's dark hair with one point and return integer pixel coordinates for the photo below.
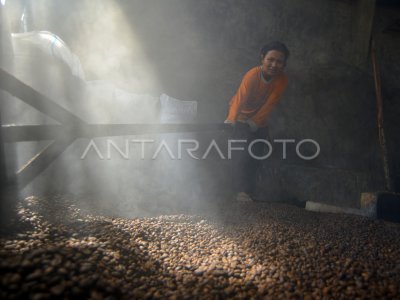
(275, 45)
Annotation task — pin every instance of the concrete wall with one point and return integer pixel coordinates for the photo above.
(199, 50)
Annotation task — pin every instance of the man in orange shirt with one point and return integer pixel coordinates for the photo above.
(259, 91)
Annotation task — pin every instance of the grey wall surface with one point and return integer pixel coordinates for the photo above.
(199, 50)
(388, 41)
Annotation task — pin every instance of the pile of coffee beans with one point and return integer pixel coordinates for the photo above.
(232, 250)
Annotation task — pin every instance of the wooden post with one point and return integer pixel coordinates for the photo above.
(8, 193)
(379, 108)
(3, 172)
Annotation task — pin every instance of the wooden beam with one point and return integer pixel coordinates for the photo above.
(24, 133)
(100, 130)
(15, 133)
(37, 100)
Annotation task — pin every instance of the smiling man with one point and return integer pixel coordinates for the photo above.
(259, 91)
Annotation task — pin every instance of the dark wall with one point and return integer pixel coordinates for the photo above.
(199, 50)
(387, 34)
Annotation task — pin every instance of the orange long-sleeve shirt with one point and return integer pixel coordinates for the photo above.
(255, 97)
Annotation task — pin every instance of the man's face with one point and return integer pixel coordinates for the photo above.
(273, 63)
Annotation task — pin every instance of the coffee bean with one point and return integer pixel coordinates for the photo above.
(255, 251)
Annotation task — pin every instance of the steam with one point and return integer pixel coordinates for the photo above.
(120, 86)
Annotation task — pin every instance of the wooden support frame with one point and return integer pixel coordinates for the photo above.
(71, 128)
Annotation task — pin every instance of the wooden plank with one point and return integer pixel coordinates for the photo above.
(15, 133)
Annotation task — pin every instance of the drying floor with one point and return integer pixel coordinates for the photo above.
(232, 250)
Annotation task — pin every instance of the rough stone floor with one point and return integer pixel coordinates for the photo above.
(253, 251)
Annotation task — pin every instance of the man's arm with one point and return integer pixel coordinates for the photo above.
(239, 99)
(258, 120)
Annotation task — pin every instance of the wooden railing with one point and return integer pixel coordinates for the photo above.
(70, 128)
